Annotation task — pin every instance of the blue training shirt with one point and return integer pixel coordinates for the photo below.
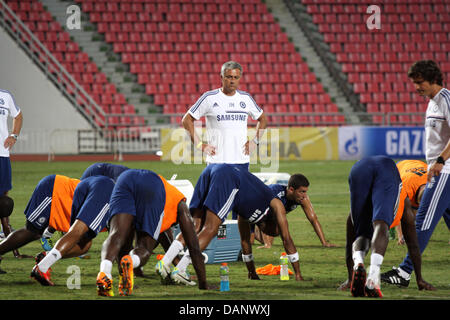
(279, 191)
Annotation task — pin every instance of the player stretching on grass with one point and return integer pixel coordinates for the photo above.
(293, 195)
(145, 204)
(224, 187)
(377, 202)
(89, 214)
(49, 205)
(113, 171)
(109, 170)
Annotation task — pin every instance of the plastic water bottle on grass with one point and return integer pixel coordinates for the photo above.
(284, 271)
(224, 277)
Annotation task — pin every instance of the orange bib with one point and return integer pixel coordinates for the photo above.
(173, 198)
(413, 174)
(62, 199)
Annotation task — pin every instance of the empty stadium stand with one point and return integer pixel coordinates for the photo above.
(176, 49)
(376, 61)
(118, 112)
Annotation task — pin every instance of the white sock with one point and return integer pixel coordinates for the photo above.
(358, 257)
(172, 252)
(47, 234)
(184, 262)
(374, 270)
(50, 258)
(106, 267)
(136, 260)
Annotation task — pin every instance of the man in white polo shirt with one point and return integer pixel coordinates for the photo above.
(8, 107)
(428, 82)
(226, 111)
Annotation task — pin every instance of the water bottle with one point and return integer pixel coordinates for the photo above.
(284, 271)
(224, 278)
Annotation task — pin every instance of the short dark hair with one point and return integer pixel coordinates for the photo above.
(298, 180)
(428, 70)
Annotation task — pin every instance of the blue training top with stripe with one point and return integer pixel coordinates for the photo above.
(252, 199)
(279, 190)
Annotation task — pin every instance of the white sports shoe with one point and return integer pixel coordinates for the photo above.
(163, 271)
(181, 277)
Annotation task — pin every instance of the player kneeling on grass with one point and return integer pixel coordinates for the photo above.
(89, 214)
(145, 204)
(377, 202)
(220, 189)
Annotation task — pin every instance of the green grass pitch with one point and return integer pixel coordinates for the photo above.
(323, 268)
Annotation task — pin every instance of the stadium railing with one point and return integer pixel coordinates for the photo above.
(143, 140)
(43, 58)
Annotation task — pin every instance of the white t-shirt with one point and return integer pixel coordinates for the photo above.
(437, 127)
(226, 123)
(7, 108)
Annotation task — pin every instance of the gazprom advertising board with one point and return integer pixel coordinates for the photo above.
(356, 142)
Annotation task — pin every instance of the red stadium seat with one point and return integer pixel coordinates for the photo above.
(410, 31)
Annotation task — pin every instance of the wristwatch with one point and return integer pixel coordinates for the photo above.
(440, 160)
(15, 136)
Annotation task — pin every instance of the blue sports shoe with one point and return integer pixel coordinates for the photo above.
(47, 244)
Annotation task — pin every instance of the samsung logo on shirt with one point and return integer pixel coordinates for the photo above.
(232, 117)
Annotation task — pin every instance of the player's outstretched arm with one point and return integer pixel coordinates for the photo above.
(190, 237)
(409, 232)
(314, 220)
(247, 256)
(280, 214)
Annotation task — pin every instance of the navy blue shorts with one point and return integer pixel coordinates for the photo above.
(216, 190)
(140, 193)
(5, 175)
(375, 186)
(202, 185)
(91, 203)
(38, 208)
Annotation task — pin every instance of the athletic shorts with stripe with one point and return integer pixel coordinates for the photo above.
(38, 208)
(142, 193)
(375, 187)
(216, 188)
(91, 203)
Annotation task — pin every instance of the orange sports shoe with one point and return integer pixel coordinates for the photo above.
(41, 277)
(104, 285)
(126, 276)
